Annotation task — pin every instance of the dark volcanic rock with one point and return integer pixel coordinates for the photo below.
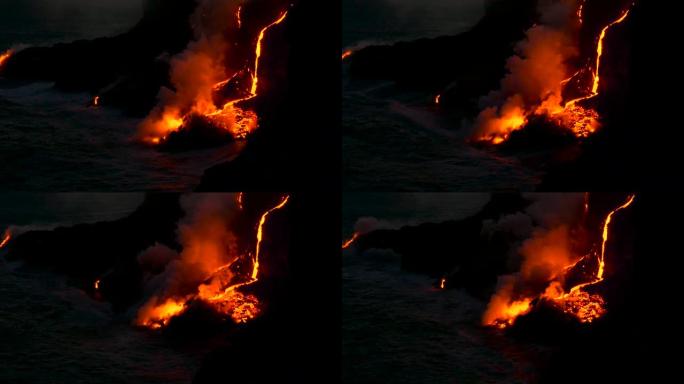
(123, 68)
(474, 61)
(296, 146)
(453, 248)
(196, 132)
(106, 251)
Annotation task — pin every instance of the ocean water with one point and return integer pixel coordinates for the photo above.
(398, 140)
(367, 22)
(399, 328)
(53, 333)
(42, 22)
(46, 210)
(53, 141)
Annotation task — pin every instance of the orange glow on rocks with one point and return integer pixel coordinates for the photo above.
(551, 253)
(221, 287)
(5, 56)
(197, 75)
(537, 80)
(5, 239)
(238, 16)
(347, 243)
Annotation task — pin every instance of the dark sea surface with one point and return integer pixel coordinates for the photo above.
(397, 139)
(53, 141)
(367, 22)
(42, 22)
(399, 328)
(52, 332)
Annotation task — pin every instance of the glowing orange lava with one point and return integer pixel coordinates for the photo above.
(437, 99)
(218, 290)
(5, 56)
(240, 195)
(240, 122)
(96, 101)
(347, 243)
(442, 283)
(238, 16)
(580, 12)
(579, 119)
(5, 239)
(97, 284)
(346, 54)
(584, 306)
(599, 53)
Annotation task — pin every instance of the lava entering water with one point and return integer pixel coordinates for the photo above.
(201, 63)
(585, 306)
(218, 290)
(546, 46)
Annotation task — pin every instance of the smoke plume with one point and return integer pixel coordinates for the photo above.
(207, 242)
(546, 248)
(195, 71)
(535, 74)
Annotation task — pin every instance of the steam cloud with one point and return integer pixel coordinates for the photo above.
(196, 70)
(535, 73)
(208, 243)
(545, 249)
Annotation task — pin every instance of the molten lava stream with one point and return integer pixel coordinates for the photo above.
(584, 306)
(5, 239)
(248, 121)
(218, 290)
(581, 120)
(347, 243)
(239, 121)
(5, 56)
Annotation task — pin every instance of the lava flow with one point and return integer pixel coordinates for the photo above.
(4, 57)
(5, 239)
(219, 289)
(346, 54)
(585, 306)
(548, 46)
(347, 243)
(201, 63)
